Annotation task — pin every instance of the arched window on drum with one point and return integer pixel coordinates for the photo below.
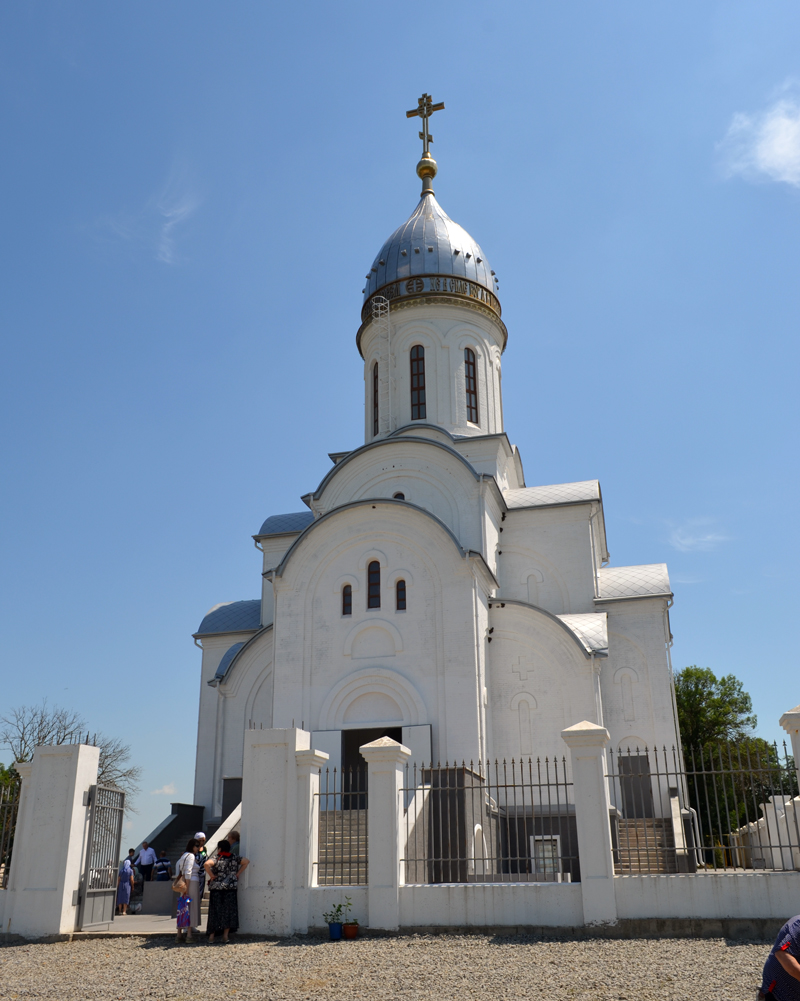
(471, 385)
(418, 408)
(347, 600)
(374, 585)
(375, 399)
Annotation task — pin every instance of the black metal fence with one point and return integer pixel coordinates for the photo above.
(9, 807)
(730, 807)
(343, 858)
(507, 822)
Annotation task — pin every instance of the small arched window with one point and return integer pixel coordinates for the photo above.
(400, 590)
(374, 585)
(347, 600)
(375, 399)
(471, 386)
(399, 496)
(418, 411)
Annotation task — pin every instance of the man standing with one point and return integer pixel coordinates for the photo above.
(145, 860)
(781, 978)
(163, 868)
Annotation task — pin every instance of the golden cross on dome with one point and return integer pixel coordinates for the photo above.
(425, 108)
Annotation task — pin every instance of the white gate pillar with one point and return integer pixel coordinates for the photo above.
(385, 760)
(308, 766)
(276, 829)
(790, 721)
(50, 840)
(587, 743)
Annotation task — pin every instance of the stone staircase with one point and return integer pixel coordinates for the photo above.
(342, 847)
(645, 846)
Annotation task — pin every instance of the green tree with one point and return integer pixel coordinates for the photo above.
(712, 710)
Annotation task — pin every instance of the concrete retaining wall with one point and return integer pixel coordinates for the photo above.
(772, 895)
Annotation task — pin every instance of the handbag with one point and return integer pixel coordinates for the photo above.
(179, 884)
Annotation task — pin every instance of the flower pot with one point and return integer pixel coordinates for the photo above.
(350, 930)
(335, 930)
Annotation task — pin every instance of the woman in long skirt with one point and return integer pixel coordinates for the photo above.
(223, 870)
(124, 886)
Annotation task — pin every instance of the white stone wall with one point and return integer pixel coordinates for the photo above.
(381, 666)
(211, 724)
(547, 558)
(540, 681)
(636, 681)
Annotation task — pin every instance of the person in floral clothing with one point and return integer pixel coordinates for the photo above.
(223, 871)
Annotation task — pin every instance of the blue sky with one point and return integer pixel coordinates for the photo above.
(192, 193)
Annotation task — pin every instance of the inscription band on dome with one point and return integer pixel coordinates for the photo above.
(449, 285)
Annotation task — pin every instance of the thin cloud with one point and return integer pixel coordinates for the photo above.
(167, 790)
(177, 204)
(697, 535)
(765, 145)
(156, 225)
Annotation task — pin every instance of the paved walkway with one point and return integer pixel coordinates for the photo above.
(134, 924)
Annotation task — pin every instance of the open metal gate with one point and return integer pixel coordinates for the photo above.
(98, 891)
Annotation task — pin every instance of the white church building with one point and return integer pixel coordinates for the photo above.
(428, 591)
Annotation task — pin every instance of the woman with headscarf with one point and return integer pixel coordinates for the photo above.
(224, 870)
(124, 884)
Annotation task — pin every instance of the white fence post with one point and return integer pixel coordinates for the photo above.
(308, 766)
(790, 721)
(385, 760)
(587, 743)
(50, 840)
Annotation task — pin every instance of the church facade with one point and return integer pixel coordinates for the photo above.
(427, 592)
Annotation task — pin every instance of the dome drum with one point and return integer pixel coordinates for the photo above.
(434, 285)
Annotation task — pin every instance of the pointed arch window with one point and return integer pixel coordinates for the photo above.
(418, 410)
(400, 595)
(347, 600)
(375, 399)
(471, 381)
(374, 585)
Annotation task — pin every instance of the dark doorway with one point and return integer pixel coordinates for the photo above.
(637, 790)
(231, 796)
(354, 766)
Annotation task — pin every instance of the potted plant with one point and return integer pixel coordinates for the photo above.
(334, 918)
(349, 925)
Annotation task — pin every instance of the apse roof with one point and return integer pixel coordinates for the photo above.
(556, 493)
(232, 617)
(633, 582)
(284, 524)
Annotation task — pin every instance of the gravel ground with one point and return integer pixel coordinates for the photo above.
(439, 967)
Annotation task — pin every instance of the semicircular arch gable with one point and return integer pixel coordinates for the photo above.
(378, 681)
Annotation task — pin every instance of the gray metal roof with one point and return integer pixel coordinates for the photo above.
(556, 493)
(227, 657)
(232, 617)
(633, 582)
(429, 243)
(283, 524)
(591, 628)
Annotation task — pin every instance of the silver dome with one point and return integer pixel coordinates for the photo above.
(429, 243)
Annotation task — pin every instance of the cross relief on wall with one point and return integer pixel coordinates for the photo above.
(523, 669)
